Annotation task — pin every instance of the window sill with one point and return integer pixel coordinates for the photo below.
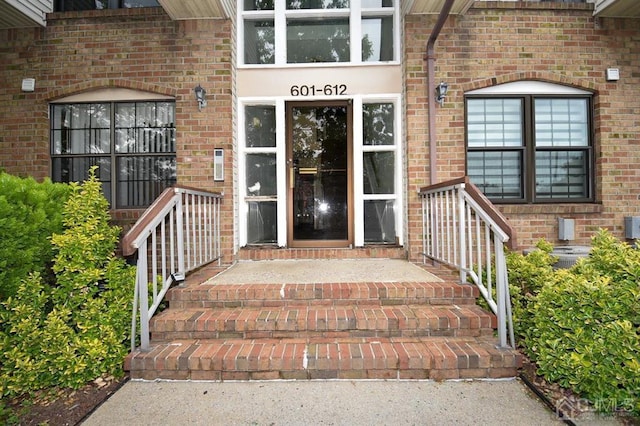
(550, 209)
(319, 65)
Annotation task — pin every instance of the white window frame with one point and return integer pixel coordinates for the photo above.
(280, 152)
(280, 14)
(358, 150)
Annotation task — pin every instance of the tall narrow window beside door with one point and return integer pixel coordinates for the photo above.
(379, 172)
(260, 174)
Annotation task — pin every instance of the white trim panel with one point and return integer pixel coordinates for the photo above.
(276, 82)
(529, 87)
(112, 95)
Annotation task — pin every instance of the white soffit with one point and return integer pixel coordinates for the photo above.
(433, 7)
(112, 95)
(210, 9)
(529, 87)
(197, 9)
(617, 8)
(24, 13)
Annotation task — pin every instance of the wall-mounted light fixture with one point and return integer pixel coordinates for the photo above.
(441, 92)
(200, 97)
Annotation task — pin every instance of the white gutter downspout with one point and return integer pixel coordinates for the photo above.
(431, 89)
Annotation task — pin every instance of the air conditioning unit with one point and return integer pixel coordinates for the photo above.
(567, 255)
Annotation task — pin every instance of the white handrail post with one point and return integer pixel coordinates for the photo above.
(134, 314)
(143, 290)
(434, 226)
(462, 234)
(424, 228)
(180, 232)
(217, 231)
(501, 291)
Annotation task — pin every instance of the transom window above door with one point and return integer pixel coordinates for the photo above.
(279, 32)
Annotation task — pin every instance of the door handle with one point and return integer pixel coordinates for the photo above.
(292, 177)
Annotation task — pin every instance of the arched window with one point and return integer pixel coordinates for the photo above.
(131, 137)
(530, 142)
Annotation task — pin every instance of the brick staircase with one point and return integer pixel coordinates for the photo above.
(325, 330)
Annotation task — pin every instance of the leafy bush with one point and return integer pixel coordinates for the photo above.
(76, 330)
(527, 275)
(30, 212)
(583, 326)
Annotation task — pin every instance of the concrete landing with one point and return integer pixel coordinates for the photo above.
(323, 271)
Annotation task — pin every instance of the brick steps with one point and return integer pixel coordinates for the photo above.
(337, 294)
(341, 330)
(322, 321)
(321, 358)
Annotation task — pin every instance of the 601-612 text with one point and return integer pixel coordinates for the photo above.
(313, 90)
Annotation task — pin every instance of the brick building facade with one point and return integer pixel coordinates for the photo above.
(501, 42)
(78, 54)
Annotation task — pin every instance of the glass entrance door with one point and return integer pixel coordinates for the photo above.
(319, 158)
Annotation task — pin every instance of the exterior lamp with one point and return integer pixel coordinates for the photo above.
(441, 92)
(200, 97)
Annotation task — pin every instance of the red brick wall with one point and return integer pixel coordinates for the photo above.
(131, 48)
(499, 42)
(494, 42)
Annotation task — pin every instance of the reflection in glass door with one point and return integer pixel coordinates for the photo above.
(319, 174)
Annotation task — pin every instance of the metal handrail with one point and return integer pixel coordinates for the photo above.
(462, 229)
(177, 234)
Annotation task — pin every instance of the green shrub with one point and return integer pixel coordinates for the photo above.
(30, 212)
(584, 330)
(8, 416)
(527, 275)
(76, 330)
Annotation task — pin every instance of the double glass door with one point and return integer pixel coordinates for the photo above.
(319, 178)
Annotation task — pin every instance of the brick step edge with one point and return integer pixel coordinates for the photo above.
(262, 322)
(303, 359)
(306, 334)
(382, 293)
(276, 253)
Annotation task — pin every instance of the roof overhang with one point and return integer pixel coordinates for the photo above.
(198, 9)
(212, 9)
(617, 9)
(24, 13)
(433, 7)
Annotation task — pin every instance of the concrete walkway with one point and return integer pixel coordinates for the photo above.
(503, 402)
